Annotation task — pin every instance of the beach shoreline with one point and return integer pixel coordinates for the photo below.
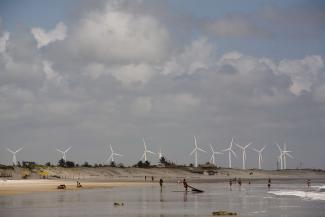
(108, 177)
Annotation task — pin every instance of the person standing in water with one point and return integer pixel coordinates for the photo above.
(269, 184)
(161, 181)
(185, 184)
(230, 184)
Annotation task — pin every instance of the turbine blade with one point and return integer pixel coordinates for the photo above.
(255, 149)
(211, 148)
(247, 145)
(12, 152)
(59, 150)
(68, 149)
(239, 146)
(263, 148)
(142, 156)
(233, 152)
(200, 149)
(118, 154)
(151, 152)
(216, 152)
(289, 155)
(193, 151)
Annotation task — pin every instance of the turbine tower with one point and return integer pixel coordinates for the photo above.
(64, 153)
(195, 150)
(212, 159)
(243, 148)
(14, 159)
(111, 157)
(144, 156)
(230, 151)
(259, 156)
(285, 153)
(280, 157)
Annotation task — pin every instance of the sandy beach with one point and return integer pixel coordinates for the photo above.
(108, 177)
(12, 187)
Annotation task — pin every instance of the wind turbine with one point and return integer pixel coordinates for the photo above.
(230, 151)
(280, 157)
(212, 159)
(285, 153)
(64, 153)
(160, 154)
(259, 156)
(144, 156)
(111, 157)
(243, 148)
(196, 148)
(14, 159)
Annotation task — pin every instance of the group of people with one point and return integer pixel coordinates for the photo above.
(239, 182)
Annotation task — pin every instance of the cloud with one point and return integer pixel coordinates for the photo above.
(303, 73)
(195, 56)
(4, 41)
(114, 35)
(44, 38)
(133, 73)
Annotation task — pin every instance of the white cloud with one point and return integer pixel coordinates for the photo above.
(44, 38)
(196, 56)
(51, 74)
(130, 74)
(4, 42)
(118, 36)
(303, 73)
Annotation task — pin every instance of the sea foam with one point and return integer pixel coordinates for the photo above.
(307, 195)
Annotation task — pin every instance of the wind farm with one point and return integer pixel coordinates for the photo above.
(147, 108)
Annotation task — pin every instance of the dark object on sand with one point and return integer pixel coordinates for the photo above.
(223, 212)
(195, 190)
(79, 185)
(118, 204)
(62, 186)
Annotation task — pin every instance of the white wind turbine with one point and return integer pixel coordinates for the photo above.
(243, 149)
(259, 156)
(144, 156)
(160, 154)
(14, 159)
(280, 157)
(195, 150)
(111, 157)
(64, 153)
(230, 151)
(212, 159)
(285, 153)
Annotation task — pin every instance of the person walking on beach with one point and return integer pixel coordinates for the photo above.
(152, 178)
(308, 181)
(185, 184)
(230, 183)
(269, 184)
(161, 181)
(239, 183)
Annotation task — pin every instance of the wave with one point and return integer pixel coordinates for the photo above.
(307, 195)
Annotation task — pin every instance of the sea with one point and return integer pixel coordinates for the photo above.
(282, 199)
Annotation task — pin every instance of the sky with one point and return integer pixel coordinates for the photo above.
(88, 74)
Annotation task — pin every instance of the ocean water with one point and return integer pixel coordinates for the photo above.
(290, 199)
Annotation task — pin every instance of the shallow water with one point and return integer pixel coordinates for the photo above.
(254, 200)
